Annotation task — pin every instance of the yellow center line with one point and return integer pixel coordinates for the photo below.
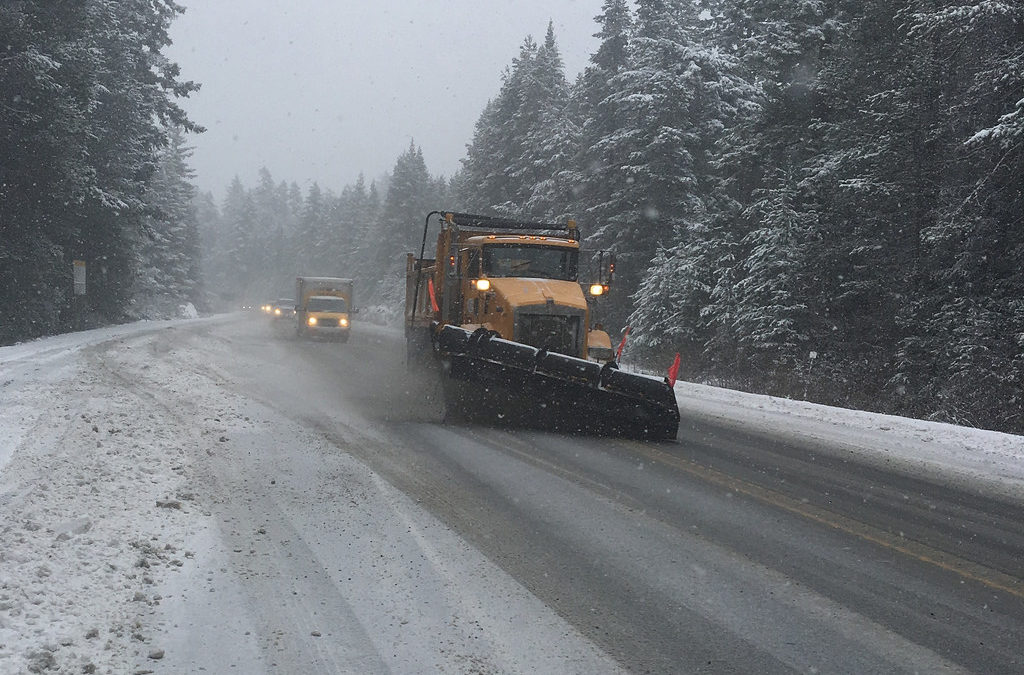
(922, 552)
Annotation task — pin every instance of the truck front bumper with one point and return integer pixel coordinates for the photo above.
(326, 332)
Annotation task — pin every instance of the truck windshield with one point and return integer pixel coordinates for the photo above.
(327, 304)
(542, 262)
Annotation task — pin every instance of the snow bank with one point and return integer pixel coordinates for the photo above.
(188, 311)
(946, 452)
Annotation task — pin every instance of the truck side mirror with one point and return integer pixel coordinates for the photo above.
(605, 273)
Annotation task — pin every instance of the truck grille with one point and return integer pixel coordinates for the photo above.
(556, 333)
(327, 323)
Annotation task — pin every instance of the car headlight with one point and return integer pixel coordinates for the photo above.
(311, 321)
(277, 311)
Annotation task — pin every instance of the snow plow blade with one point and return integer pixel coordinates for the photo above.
(509, 382)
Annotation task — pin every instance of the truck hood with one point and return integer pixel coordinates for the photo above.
(522, 292)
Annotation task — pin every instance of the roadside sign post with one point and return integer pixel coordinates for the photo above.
(78, 294)
(78, 267)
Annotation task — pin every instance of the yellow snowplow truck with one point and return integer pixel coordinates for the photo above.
(501, 305)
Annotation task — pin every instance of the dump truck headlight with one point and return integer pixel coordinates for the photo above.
(483, 285)
(342, 322)
(597, 289)
(311, 321)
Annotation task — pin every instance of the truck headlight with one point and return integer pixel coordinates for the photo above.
(343, 322)
(483, 285)
(311, 321)
(597, 289)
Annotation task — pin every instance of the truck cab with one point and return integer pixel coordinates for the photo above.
(327, 316)
(524, 287)
(323, 307)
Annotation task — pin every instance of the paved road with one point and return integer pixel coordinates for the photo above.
(720, 552)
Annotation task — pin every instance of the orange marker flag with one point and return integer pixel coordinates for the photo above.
(433, 296)
(618, 352)
(673, 371)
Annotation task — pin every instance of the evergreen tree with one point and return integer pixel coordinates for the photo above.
(134, 84)
(88, 101)
(515, 135)
(495, 146)
(676, 99)
(762, 158)
(362, 212)
(244, 275)
(310, 232)
(962, 357)
(399, 227)
(772, 321)
(547, 134)
(213, 262)
(167, 256)
(555, 147)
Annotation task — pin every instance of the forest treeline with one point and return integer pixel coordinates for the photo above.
(93, 166)
(810, 198)
(262, 237)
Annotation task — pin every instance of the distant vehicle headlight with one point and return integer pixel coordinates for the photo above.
(277, 311)
(311, 321)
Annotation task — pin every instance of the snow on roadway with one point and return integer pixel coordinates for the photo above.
(155, 521)
(123, 533)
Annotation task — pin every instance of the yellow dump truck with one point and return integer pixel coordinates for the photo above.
(323, 307)
(502, 307)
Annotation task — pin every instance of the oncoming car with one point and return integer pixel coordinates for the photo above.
(284, 308)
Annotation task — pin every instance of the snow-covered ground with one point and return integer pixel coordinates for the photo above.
(988, 461)
(138, 495)
(121, 521)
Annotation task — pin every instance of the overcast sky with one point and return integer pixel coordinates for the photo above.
(323, 89)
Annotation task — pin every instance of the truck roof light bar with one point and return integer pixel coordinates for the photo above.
(477, 222)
